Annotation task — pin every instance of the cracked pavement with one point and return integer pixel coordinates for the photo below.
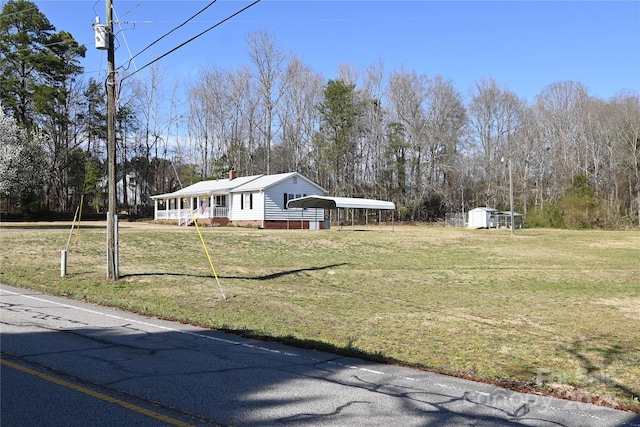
(71, 363)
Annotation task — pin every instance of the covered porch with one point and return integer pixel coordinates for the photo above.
(208, 207)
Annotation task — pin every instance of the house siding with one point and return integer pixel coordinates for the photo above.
(241, 211)
(266, 205)
(274, 201)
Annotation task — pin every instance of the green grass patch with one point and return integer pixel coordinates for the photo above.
(554, 305)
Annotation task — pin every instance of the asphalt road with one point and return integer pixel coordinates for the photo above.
(66, 363)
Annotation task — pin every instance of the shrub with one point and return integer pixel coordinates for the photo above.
(549, 216)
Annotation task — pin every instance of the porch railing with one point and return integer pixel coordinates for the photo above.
(186, 217)
(185, 214)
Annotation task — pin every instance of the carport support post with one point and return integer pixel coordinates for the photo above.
(352, 220)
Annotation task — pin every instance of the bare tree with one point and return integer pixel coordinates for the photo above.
(446, 127)
(198, 124)
(626, 115)
(407, 95)
(269, 61)
(494, 115)
(559, 109)
(372, 132)
(298, 116)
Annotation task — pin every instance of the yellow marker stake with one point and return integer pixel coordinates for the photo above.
(193, 218)
(73, 224)
(79, 219)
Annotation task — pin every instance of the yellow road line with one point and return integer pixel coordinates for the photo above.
(97, 395)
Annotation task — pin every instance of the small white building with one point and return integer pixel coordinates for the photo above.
(132, 191)
(258, 200)
(482, 217)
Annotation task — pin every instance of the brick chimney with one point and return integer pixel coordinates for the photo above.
(232, 174)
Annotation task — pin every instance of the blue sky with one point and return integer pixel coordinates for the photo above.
(524, 45)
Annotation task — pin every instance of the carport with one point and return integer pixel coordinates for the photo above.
(338, 203)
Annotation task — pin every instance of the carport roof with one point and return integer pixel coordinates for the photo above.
(326, 202)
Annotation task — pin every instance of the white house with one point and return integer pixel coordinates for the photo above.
(481, 217)
(132, 191)
(258, 200)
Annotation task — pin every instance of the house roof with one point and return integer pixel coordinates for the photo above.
(236, 185)
(339, 202)
(266, 181)
(208, 187)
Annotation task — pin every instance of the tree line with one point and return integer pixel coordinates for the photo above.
(402, 136)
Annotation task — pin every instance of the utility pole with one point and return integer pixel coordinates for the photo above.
(510, 194)
(513, 225)
(112, 241)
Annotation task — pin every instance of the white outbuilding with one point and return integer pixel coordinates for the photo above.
(482, 217)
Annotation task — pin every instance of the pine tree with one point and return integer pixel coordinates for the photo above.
(35, 62)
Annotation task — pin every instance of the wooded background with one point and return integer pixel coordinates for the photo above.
(397, 135)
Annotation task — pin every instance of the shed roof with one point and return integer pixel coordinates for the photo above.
(326, 202)
(483, 208)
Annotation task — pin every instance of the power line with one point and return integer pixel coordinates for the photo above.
(123, 36)
(8, 15)
(192, 39)
(165, 35)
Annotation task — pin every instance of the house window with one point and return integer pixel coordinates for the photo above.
(246, 201)
(291, 196)
(221, 200)
(287, 197)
